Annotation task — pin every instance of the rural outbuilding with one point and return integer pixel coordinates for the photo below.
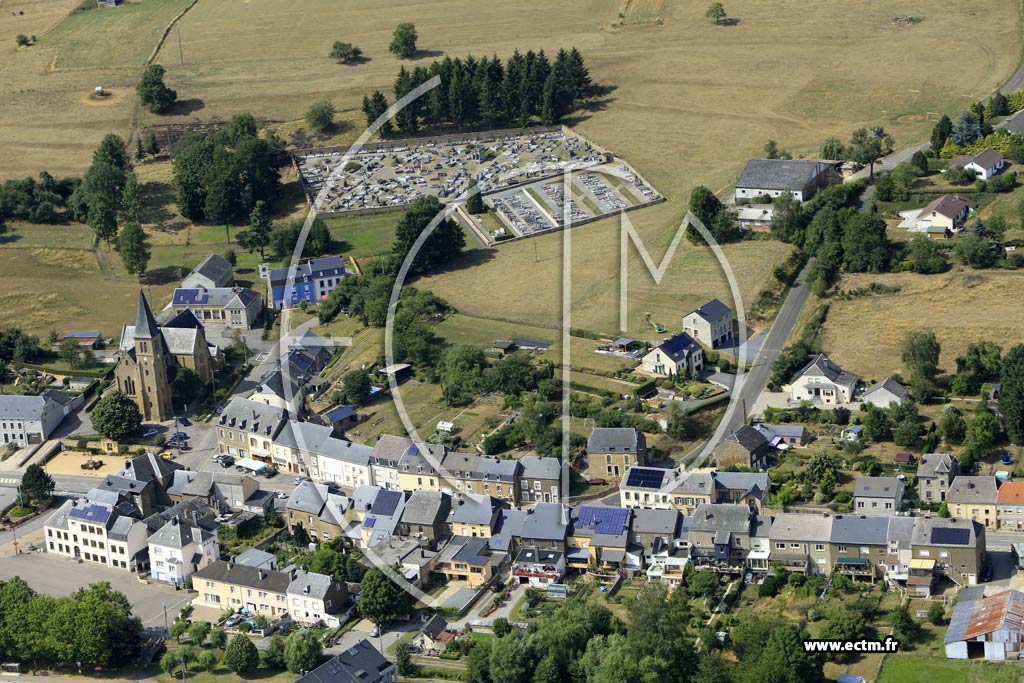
(991, 627)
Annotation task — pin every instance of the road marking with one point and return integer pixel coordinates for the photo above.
(8, 480)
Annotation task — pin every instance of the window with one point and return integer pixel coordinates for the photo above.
(780, 546)
(842, 548)
(819, 547)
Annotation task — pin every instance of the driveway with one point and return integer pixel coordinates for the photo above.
(58, 576)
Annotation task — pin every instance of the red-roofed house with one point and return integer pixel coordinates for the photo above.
(1010, 506)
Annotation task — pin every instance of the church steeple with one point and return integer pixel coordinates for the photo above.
(145, 323)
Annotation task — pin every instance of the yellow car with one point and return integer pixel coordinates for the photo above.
(167, 455)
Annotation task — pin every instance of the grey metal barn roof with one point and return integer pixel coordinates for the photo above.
(780, 174)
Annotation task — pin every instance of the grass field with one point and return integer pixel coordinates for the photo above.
(362, 236)
(910, 668)
(522, 280)
(85, 39)
(864, 335)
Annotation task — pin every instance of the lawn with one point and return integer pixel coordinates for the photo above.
(125, 37)
(362, 236)
(910, 668)
(864, 335)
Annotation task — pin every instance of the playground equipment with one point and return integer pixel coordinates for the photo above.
(658, 327)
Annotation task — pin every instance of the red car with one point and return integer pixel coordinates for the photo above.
(598, 482)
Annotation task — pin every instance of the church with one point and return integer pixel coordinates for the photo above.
(150, 357)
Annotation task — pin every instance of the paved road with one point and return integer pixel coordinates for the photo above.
(755, 379)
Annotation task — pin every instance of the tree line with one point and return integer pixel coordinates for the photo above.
(488, 91)
(94, 625)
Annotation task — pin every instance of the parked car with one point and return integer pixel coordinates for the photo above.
(185, 422)
(281, 494)
(598, 482)
(299, 480)
(219, 410)
(180, 435)
(150, 433)
(268, 472)
(234, 620)
(167, 455)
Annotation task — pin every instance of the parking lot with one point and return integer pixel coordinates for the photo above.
(58, 576)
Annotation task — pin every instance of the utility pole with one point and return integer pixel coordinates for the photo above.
(167, 628)
(181, 55)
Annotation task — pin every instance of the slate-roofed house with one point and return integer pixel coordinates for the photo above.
(181, 547)
(254, 557)
(860, 545)
(222, 491)
(213, 271)
(545, 525)
(540, 479)
(28, 420)
(474, 473)
(984, 165)
(746, 447)
(469, 559)
(597, 536)
(784, 436)
(800, 543)
(474, 515)
(311, 281)
(424, 517)
(98, 533)
(235, 307)
(948, 547)
(145, 478)
(361, 663)
(800, 178)
(612, 450)
(719, 536)
(822, 381)
(344, 462)
(974, 497)
(434, 635)
(677, 356)
(648, 487)
(321, 511)
(878, 495)
(247, 429)
(416, 463)
(281, 390)
(885, 394)
(710, 324)
(742, 488)
(315, 599)
(655, 532)
(991, 627)
(225, 585)
(538, 567)
(935, 474)
(379, 511)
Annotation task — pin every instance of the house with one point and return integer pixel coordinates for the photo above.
(311, 281)
(540, 479)
(467, 559)
(679, 356)
(991, 627)
(755, 217)
(298, 443)
(741, 488)
(885, 394)
(538, 567)
(226, 585)
(434, 635)
(822, 381)
(473, 514)
(384, 459)
(783, 436)
(96, 532)
(612, 450)
(181, 547)
(214, 271)
(984, 165)
(150, 356)
(954, 548)
(473, 473)
(800, 543)
(424, 517)
(418, 463)
(944, 216)
(222, 491)
(648, 487)
(710, 324)
(851, 433)
(254, 557)
(341, 417)
(144, 481)
(544, 526)
(314, 599)
(92, 340)
(321, 511)
(903, 459)
(345, 463)
(598, 536)
(361, 663)
(235, 307)
(1010, 506)
(656, 533)
(719, 536)
(800, 178)
(878, 495)
(282, 390)
(247, 429)
(746, 447)
(29, 420)
(860, 545)
(379, 512)
(974, 497)
(935, 475)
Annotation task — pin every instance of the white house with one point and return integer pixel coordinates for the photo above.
(886, 393)
(822, 381)
(800, 178)
(97, 533)
(343, 462)
(315, 599)
(991, 627)
(182, 547)
(679, 355)
(878, 495)
(984, 165)
(30, 419)
(710, 324)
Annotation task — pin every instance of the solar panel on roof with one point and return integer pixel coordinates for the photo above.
(946, 536)
(370, 521)
(644, 478)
